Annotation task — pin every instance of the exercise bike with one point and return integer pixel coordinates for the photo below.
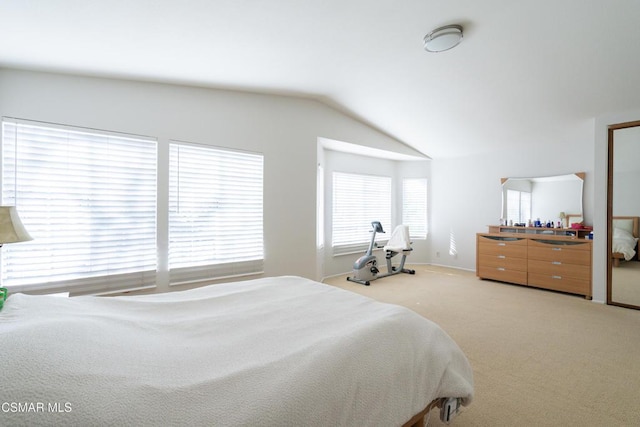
(365, 269)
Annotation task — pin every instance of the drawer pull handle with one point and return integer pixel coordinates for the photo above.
(502, 244)
(556, 249)
(501, 256)
(501, 269)
(556, 263)
(556, 277)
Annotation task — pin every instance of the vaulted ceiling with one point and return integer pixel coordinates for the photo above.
(525, 72)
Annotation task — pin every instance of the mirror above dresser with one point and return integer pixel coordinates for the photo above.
(548, 199)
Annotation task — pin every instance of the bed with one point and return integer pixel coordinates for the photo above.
(624, 238)
(574, 219)
(282, 351)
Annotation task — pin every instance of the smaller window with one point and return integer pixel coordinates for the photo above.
(320, 207)
(357, 201)
(414, 206)
(518, 206)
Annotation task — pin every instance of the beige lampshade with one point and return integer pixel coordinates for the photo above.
(11, 228)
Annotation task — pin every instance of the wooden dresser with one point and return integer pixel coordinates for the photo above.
(559, 263)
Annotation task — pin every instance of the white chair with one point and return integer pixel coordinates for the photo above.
(399, 242)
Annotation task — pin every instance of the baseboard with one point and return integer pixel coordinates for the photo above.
(407, 265)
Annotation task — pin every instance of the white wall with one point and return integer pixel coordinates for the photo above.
(284, 129)
(626, 201)
(626, 174)
(551, 198)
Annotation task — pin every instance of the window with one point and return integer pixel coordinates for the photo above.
(89, 200)
(414, 206)
(320, 207)
(357, 201)
(518, 206)
(215, 212)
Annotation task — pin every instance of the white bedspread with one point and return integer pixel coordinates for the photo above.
(280, 351)
(623, 242)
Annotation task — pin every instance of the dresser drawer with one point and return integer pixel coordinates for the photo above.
(517, 251)
(503, 261)
(561, 283)
(565, 255)
(559, 269)
(575, 244)
(492, 245)
(502, 274)
(502, 240)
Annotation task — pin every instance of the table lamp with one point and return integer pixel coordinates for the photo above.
(562, 216)
(11, 228)
(11, 231)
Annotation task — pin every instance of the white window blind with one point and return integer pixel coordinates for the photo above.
(518, 206)
(357, 201)
(414, 206)
(215, 213)
(88, 199)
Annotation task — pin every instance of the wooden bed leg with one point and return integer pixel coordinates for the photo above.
(419, 423)
(418, 419)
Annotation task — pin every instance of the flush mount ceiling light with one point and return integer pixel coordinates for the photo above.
(443, 38)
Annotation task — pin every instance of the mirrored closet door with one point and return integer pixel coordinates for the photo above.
(623, 215)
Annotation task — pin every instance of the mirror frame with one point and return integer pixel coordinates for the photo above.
(610, 132)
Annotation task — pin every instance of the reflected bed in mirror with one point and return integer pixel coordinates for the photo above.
(624, 238)
(573, 219)
(548, 198)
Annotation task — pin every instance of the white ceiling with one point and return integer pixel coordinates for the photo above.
(525, 72)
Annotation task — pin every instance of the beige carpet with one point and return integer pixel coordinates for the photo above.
(540, 358)
(626, 283)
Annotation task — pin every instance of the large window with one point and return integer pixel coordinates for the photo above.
(89, 200)
(101, 223)
(215, 212)
(414, 206)
(357, 201)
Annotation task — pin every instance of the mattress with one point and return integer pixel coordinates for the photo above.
(283, 351)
